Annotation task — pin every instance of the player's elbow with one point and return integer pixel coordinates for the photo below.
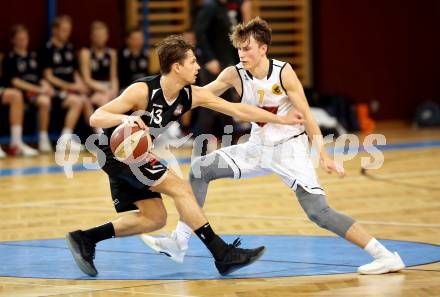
(15, 82)
(94, 119)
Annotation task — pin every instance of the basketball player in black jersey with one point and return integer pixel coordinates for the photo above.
(22, 70)
(61, 70)
(98, 66)
(133, 60)
(165, 98)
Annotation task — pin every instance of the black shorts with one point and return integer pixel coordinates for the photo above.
(129, 184)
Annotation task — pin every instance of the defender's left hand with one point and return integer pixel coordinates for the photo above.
(329, 165)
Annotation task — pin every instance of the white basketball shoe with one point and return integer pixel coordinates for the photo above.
(383, 265)
(22, 150)
(167, 245)
(2, 153)
(45, 146)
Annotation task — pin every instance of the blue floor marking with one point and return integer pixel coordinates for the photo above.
(129, 259)
(80, 167)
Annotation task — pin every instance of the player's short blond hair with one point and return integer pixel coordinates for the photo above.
(257, 28)
(18, 28)
(61, 19)
(96, 25)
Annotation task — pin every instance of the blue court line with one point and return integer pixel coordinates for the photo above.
(36, 170)
(154, 254)
(128, 258)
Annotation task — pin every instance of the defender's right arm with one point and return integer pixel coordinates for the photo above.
(227, 79)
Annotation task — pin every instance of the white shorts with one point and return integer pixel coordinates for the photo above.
(290, 160)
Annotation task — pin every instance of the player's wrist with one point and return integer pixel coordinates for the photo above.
(125, 119)
(323, 155)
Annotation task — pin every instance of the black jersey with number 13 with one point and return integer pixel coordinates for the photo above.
(160, 112)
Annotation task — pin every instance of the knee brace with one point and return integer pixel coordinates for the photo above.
(210, 167)
(318, 211)
(204, 170)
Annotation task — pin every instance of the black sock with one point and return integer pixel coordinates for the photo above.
(213, 242)
(100, 233)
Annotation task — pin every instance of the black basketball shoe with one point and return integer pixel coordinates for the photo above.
(235, 258)
(83, 251)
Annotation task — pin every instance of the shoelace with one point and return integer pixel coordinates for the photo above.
(235, 243)
(233, 252)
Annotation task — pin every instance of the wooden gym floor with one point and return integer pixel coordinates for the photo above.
(399, 201)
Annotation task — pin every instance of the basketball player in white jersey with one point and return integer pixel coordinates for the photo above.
(283, 150)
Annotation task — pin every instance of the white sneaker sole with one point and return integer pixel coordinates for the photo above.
(152, 243)
(382, 270)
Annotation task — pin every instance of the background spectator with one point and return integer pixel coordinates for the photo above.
(133, 59)
(22, 70)
(99, 66)
(60, 69)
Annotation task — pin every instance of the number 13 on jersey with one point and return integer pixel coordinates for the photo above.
(156, 116)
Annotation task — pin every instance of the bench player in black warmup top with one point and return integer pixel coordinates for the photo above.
(98, 66)
(61, 70)
(133, 60)
(165, 98)
(22, 70)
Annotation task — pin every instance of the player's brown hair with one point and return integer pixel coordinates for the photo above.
(133, 30)
(17, 28)
(172, 49)
(257, 28)
(98, 25)
(60, 19)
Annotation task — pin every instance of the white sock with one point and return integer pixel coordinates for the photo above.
(43, 137)
(183, 232)
(66, 131)
(376, 249)
(16, 133)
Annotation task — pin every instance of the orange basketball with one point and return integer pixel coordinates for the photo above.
(130, 143)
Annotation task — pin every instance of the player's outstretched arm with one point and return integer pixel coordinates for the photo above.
(227, 79)
(296, 94)
(112, 114)
(244, 112)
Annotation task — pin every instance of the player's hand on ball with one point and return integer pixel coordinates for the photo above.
(293, 117)
(135, 121)
(329, 165)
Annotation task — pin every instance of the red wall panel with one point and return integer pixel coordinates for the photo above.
(83, 12)
(379, 50)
